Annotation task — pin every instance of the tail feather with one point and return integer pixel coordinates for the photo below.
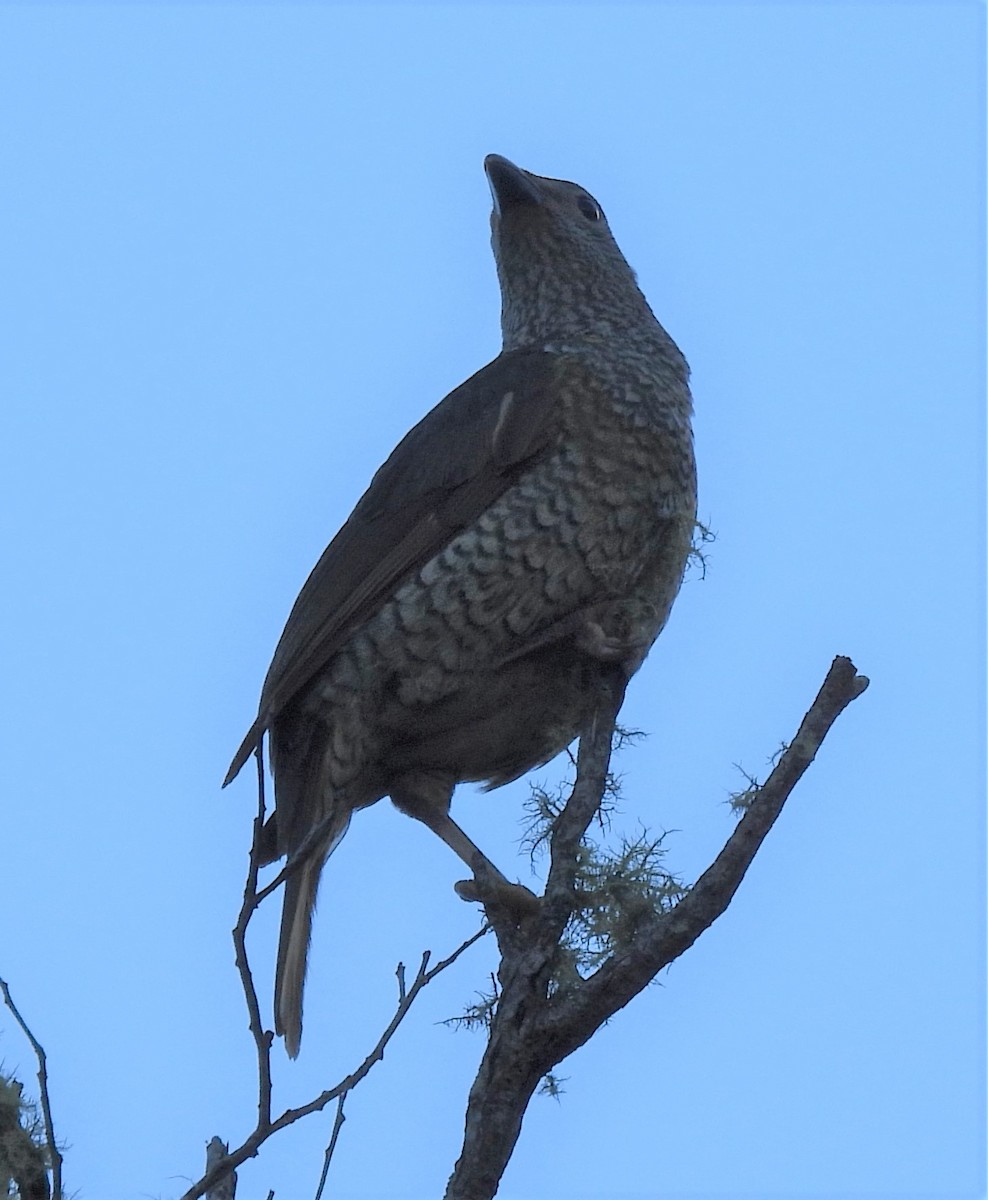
(293, 947)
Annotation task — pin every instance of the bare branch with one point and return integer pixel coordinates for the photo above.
(250, 1146)
(665, 936)
(537, 1023)
(299, 857)
(225, 1188)
(54, 1155)
(331, 1148)
(262, 1037)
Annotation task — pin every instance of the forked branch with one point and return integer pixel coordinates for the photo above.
(539, 1019)
(222, 1167)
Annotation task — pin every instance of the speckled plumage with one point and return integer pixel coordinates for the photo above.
(534, 526)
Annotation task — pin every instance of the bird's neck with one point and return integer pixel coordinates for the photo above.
(601, 336)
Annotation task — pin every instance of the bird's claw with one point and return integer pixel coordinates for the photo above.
(514, 898)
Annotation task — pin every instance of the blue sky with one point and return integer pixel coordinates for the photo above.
(245, 248)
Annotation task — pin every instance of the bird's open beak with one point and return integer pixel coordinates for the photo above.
(510, 185)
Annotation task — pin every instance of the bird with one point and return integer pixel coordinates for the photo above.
(528, 534)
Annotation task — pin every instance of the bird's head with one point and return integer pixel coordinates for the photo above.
(561, 272)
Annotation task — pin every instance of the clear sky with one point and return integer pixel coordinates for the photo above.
(244, 249)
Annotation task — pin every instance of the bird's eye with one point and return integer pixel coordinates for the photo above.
(589, 208)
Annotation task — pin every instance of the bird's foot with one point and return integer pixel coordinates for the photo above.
(513, 899)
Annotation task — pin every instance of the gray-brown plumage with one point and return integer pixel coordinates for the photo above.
(532, 527)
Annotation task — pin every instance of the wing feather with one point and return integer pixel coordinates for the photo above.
(440, 477)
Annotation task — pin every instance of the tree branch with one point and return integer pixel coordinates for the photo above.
(585, 799)
(262, 1037)
(538, 1022)
(331, 1148)
(53, 1152)
(226, 1188)
(665, 936)
(263, 1130)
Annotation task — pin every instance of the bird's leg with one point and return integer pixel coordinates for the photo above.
(488, 883)
(425, 804)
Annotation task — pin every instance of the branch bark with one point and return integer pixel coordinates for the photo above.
(221, 1163)
(54, 1155)
(535, 1024)
(222, 1167)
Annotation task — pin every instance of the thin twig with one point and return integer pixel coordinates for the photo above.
(262, 1037)
(314, 838)
(330, 1149)
(264, 1130)
(39, 1053)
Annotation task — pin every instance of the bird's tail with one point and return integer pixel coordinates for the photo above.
(296, 927)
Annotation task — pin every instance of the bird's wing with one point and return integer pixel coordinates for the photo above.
(446, 471)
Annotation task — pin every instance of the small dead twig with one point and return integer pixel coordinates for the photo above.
(221, 1166)
(225, 1188)
(265, 1129)
(262, 1037)
(39, 1053)
(330, 1149)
